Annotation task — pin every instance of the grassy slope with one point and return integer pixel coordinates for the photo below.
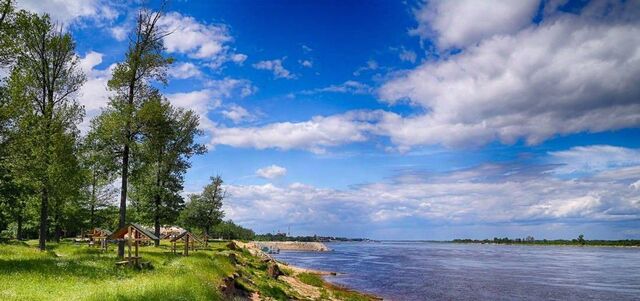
(77, 272)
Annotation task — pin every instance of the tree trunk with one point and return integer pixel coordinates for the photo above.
(58, 232)
(123, 196)
(157, 219)
(44, 212)
(19, 232)
(92, 214)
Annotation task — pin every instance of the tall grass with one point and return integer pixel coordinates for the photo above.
(77, 272)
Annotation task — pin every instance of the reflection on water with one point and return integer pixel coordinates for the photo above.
(428, 271)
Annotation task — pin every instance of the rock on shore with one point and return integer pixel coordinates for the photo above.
(294, 245)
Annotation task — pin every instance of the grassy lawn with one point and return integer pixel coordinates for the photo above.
(77, 272)
(68, 271)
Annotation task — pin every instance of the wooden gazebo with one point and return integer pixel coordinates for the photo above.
(189, 242)
(133, 234)
(99, 235)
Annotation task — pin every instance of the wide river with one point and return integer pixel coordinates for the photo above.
(450, 271)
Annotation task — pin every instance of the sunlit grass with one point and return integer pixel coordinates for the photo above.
(73, 272)
(68, 271)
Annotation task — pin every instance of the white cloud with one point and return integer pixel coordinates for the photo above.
(239, 58)
(314, 135)
(485, 194)
(69, 11)
(271, 172)
(207, 42)
(206, 100)
(237, 113)
(306, 63)
(407, 56)
(276, 67)
(350, 86)
(594, 158)
(465, 22)
(371, 65)
(119, 33)
(94, 94)
(570, 74)
(184, 71)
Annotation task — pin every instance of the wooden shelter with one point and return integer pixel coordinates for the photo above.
(189, 242)
(169, 232)
(99, 235)
(133, 234)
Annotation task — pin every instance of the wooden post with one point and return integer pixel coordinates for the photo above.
(128, 238)
(186, 245)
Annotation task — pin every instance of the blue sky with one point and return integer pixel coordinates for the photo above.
(400, 119)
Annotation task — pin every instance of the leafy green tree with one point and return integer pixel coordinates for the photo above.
(205, 210)
(7, 33)
(7, 55)
(47, 77)
(581, 239)
(168, 143)
(99, 171)
(118, 125)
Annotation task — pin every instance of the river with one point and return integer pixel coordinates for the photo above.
(451, 271)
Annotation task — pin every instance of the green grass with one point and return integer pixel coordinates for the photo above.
(76, 272)
(68, 271)
(311, 279)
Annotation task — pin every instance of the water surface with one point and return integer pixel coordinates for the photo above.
(436, 271)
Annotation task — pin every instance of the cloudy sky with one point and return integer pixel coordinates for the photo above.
(400, 120)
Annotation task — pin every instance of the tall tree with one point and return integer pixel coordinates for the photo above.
(7, 55)
(47, 70)
(7, 33)
(205, 210)
(99, 172)
(169, 141)
(144, 62)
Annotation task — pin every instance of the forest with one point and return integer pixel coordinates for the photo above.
(58, 181)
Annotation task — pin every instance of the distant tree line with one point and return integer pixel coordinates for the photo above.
(579, 241)
(314, 238)
(56, 181)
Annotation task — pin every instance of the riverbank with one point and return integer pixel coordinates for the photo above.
(222, 271)
(293, 246)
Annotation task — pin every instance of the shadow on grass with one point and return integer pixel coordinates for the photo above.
(95, 268)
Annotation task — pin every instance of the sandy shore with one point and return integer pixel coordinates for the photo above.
(293, 245)
(306, 290)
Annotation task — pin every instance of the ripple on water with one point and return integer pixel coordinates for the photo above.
(426, 271)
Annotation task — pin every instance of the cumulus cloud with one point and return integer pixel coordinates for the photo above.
(210, 98)
(275, 66)
(94, 94)
(271, 172)
(567, 75)
(594, 158)
(314, 135)
(239, 58)
(237, 113)
(465, 22)
(69, 12)
(306, 63)
(479, 195)
(184, 71)
(119, 33)
(197, 40)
